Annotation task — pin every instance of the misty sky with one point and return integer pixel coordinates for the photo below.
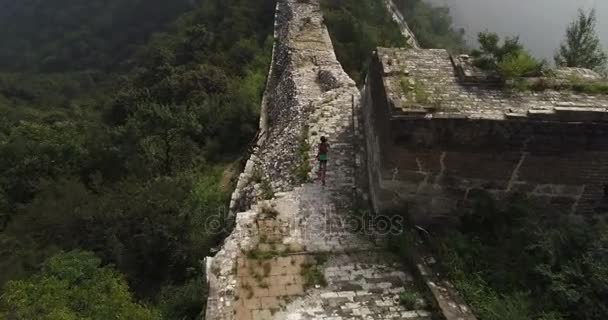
(541, 24)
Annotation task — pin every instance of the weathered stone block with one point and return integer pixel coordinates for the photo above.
(327, 80)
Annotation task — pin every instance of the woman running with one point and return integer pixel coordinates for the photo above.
(322, 157)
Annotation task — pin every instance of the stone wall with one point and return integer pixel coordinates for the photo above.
(394, 11)
(287, 102)
(435, 165)
(308, 95)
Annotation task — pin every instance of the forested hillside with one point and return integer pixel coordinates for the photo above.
(432, 25)
(122, 127)
(358, 27)
(65, 35)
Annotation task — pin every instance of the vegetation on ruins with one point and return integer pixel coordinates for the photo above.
(410, 299)
(259, 254)
(432, 25)
(574, 84)
(512, 260)
(311, 273)
(123, 122)
(266, 189)
(581, 46)
(303, 167)
(357, 28)
(414, 91)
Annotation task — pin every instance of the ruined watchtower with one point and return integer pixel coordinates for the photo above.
(438, 130)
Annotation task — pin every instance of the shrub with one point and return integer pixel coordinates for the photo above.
(303, 167)
(312, 276)
(518, 64)
(266, 188)
(262, 255)
(508, 58)
(414, 91)
(510, 260)
(410, 299)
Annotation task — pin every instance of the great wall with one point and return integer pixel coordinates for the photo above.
(298, 250)
(308, 93)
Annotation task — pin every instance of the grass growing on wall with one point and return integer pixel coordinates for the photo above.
(303, 167)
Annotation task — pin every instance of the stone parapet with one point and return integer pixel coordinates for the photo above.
(430, 84)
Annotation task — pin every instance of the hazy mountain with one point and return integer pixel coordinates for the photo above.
(64, 35)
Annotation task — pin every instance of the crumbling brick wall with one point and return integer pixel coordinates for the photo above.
(434, 166)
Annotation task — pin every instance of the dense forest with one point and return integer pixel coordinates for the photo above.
(513, 260)
(63, 35)
(357, 27)
(123, 123)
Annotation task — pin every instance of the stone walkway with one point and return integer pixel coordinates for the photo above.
(304, 253)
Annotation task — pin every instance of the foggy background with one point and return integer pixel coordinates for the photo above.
(541, 24)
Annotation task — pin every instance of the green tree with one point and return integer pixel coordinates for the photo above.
(491, 52)
(73, 286)
(35, 151)
(122, 149)
(164, 134)
(517, 64)
(154, 231)
(508, 58)
(581, 46)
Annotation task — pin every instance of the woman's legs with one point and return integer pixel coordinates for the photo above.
(323, 170)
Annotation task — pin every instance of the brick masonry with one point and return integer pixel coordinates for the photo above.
(433, 158)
